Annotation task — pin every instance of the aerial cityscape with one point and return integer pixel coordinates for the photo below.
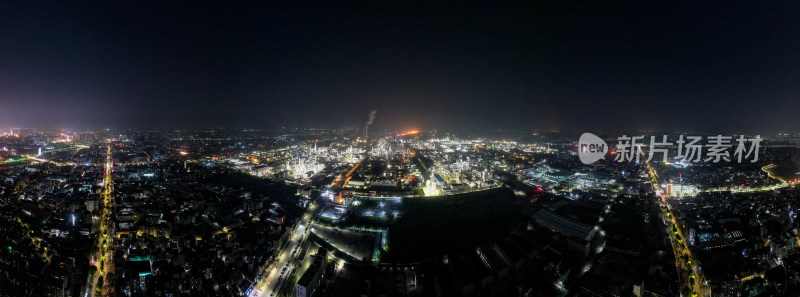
(551, 148)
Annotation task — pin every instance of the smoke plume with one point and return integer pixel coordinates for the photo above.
(372, 117)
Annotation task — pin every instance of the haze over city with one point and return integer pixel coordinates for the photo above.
(702, 66)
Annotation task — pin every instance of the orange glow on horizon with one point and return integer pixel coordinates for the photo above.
(411, 132)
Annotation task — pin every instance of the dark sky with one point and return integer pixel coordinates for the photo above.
(727, 66)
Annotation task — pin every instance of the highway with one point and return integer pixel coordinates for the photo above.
(273, 275)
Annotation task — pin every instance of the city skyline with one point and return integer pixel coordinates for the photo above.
(368, 148)
(339, 212)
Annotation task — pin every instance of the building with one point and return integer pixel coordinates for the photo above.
(313, 277)
(134, 276)
(680, 190)
(356, 182)
(578, 235)
(17, 281)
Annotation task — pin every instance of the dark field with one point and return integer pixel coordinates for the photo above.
(787, 171)
(430, 227)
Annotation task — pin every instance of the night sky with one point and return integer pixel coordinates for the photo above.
(720, 67)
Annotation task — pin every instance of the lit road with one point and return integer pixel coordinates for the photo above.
(274, 276)
(679, 247)
(784, 182)
(346, 177)
(767, 169)
(103, 251)
(14, 160)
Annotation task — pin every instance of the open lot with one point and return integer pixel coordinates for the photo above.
(431, 227)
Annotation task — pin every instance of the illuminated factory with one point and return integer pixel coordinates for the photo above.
(304, 167)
